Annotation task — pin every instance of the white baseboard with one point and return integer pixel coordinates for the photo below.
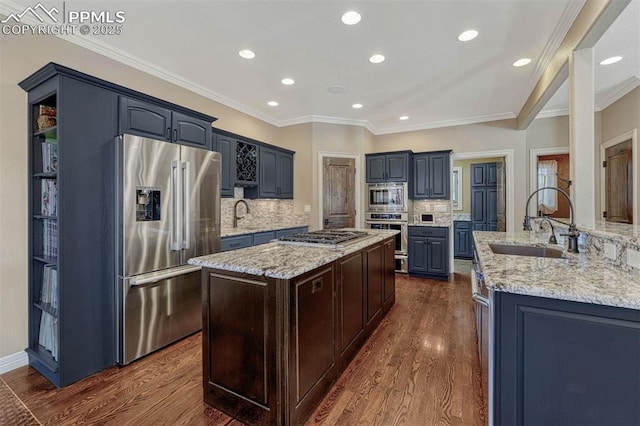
(11, 362)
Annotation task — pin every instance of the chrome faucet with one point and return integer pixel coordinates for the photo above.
(573, 233)
(236, 218)
(552, 237)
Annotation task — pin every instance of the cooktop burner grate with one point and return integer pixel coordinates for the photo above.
(330, 237)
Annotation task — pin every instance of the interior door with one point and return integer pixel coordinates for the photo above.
(338, 183)
(201, 225)
(148, 214)
(619, 183)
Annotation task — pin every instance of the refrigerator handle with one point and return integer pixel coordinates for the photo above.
(176, 206)
(186, 194)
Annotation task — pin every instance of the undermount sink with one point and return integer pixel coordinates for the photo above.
(533, 251)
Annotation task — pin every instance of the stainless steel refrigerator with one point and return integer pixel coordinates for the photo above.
(168, 211)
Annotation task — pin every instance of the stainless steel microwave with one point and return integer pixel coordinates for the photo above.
(388, 197)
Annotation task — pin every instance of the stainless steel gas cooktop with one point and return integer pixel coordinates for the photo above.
(333, 238)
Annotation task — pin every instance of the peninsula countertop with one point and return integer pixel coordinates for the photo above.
(285, 261)
(576, 277)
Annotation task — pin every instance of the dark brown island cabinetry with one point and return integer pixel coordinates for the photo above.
(272, 348)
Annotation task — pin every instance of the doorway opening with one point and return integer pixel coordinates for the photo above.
(553, 170)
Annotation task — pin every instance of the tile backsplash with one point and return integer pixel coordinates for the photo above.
(440, 209)
(264, 212)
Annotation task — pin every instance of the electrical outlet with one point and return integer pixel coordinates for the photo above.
(633, 258)
(610, 251)
(307, 208)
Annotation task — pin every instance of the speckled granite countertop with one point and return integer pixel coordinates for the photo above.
(284, 261)
(228, 232)
(577, 277)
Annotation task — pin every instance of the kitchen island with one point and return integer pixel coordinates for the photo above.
(563, 335)
(281, 322)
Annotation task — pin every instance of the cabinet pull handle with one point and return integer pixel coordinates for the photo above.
(175, 135)
(316, 286)
(168, 135)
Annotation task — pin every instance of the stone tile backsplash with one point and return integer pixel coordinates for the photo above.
(440, 209)
(263, 212)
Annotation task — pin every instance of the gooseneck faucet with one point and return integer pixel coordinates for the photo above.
(236, 218)
(573, 233)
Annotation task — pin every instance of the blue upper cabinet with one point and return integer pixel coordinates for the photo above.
(388, 167)
(431, 176)
(226, 146)
(156, 122)
(275, 176)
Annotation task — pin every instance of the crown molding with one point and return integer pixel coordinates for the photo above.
(569, 14)
(447, 123)
(328, 120)
(609, 97)
(552, 113)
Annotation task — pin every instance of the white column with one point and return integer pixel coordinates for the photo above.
(582, 136)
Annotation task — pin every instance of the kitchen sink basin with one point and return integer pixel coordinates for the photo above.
(521, 250)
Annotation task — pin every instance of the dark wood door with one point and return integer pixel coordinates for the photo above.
(338, 186)
(376, 168)
(351, 298)
(619, 183)
(144, 119)
(190, 131)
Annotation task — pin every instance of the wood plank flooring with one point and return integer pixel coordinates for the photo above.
(420, 367)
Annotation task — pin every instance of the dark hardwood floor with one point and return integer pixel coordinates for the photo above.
(420, 367)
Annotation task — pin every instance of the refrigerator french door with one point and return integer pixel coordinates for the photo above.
(168, 212)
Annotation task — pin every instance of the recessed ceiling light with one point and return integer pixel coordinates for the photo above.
(376, 59)
(611, 60)
(356, 106)
(273, 103)
(404, 117)
(247, 54)
(468, 35)
(287, 81)
(521, 62)
(351, 17)
(336, 89)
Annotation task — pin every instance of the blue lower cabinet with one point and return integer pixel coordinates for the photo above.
(429, 251)
(462, 239)
(247, 240)
(237, 242)
(263, 237)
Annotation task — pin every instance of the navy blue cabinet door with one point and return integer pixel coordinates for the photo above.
(462, 245)
(144, 119)
(492, 174)
(478, 173)
(492, 208)
(376, 168)
(420, 177)
(190, 131)
(418, 255)
(478, 205)
(285, 175)
(437, 259)
(268, 177)
(439, 177)
(226, 146)
(397, 167)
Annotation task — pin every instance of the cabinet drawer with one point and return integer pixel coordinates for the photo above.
(461, 225)
(263, 237)
(428, 231)
(233, 243)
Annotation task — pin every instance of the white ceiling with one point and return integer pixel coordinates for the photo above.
(615, 80)
(428, 74)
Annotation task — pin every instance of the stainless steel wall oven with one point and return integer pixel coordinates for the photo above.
(393, 221)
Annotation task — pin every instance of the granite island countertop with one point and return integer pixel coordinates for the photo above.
(576, 277)
(285, 261)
